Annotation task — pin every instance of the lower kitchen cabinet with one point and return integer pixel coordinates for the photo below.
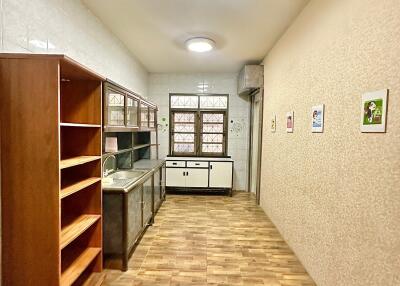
(221, 174)
(196, 178)
(187, 177)
(134, 216)
(148, 207)
(127, 213)
(188, 173)
(176, 177)
(123, 223)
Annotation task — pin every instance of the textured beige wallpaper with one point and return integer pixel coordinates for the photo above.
(335, 196)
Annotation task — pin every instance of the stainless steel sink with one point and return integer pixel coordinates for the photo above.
(131, 174)
(122, 180)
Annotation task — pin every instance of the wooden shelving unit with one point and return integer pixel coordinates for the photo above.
(52, 207)
(81, 207)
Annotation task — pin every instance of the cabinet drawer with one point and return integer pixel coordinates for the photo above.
(178, 164)
(197, 164)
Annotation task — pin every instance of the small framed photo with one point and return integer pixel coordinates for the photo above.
(289, 122)
(373, 111)
(273, 123)
(317, 123)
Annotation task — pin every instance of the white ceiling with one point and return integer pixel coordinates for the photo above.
(155, 30)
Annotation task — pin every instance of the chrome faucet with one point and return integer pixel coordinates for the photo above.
(106, 171)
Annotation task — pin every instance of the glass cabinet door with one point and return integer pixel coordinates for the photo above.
(144, 115)
(115, 108)
(132, 106)
(152, 117)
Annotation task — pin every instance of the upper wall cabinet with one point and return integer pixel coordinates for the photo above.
(152, 117)
(125, 111)
(115, 108)
(132, 105)
(144, 115)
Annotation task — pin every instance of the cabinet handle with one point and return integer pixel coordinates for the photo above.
(210, 167)
(184, 174)
(187, 173)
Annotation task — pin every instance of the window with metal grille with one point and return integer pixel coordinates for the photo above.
(198, 124)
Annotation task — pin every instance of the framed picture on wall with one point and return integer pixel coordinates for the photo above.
(373, 111)
(273, 123)
(317, 122)
(289, 122)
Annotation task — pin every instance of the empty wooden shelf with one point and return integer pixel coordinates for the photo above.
(80, 125)
(76, 263)
(75, 161)
(51, 116)
(95, 279)
(78, 186)
(76, 227)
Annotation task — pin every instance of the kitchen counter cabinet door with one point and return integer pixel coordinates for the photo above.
(163, 182)
(157, 188)
(148, 193)
(197, 178)
(134, 209)
(112, 224)
(175, 177)
(221, 174)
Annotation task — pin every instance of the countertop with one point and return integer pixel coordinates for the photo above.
(218, 159)
(145, 164)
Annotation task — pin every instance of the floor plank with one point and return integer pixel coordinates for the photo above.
(211, 240)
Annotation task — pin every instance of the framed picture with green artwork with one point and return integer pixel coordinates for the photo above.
(373, 111)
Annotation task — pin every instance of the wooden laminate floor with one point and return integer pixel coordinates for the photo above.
(211, 240)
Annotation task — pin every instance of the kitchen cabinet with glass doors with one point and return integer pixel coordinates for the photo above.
(125, 111)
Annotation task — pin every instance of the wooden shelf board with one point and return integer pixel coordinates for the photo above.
(76, 187)
(141, 146)
(78, 265)
(95, 279)
(79, 160)
(84, 125)
(75, 228)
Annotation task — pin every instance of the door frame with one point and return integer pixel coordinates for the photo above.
(260, 137)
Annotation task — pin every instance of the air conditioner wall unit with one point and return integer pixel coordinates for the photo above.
(251, 77)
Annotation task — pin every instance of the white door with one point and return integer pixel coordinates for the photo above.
(197, 178)
(175, 177)
(220, 174)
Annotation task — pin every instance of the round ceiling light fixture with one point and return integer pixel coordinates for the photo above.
(200, 45)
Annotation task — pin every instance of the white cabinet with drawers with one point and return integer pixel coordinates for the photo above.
(185, 173)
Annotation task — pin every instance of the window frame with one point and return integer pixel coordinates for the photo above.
(224, 133)
(198, 126)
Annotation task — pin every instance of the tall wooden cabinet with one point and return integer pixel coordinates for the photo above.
(50, 115)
